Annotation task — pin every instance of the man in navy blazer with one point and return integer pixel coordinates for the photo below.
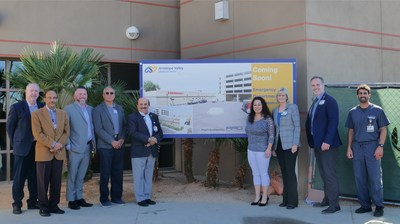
(146, 134)
(20, 133)
(109, 126)
(322, 135)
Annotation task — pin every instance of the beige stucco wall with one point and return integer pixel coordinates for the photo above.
(253, 27)
(344, 41)
(97, 24)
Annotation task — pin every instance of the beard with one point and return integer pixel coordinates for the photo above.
(363, 99)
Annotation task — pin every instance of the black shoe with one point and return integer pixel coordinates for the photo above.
(263, 204)
(57, 210)
(378, 211)
(33, 206)
(150, 202)
(256, 202)
(331, 210)
(291, 207)
(362, 210)
(282, 204)
(16, 210)
(83, 203)
(73, 205)
(44, 213)
(321, 204)
(143, 203)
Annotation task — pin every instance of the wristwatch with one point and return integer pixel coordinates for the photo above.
(381, 145)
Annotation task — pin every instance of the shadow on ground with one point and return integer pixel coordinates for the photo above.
(271, 220)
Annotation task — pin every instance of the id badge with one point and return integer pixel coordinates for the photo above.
(370, 128)
(284, 113)
(155, 128)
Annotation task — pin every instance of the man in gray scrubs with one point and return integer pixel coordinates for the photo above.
(366, 138)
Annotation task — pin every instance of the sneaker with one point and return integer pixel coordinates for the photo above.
(118, 202)
(362, 210)
(106, 204)
(378, 211)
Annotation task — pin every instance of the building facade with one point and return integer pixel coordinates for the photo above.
(344, 41)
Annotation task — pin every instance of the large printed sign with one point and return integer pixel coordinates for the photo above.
(212, 98)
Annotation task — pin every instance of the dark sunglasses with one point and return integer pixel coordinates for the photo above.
(109, 93)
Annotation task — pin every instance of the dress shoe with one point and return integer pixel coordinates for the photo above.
(263, 204)
(83, 203)
(33, 206)
(57, 210)
(150, 202)
(282, 204)
(330, 210)
(44, 213)
(256, 202)
(73, 205)
(362, 210)
(321, 204)
(378, 211)
(143, 203)
(291, 207)
(16, 210)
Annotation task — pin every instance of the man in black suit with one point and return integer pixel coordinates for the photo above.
(146, 134)
(20, 133)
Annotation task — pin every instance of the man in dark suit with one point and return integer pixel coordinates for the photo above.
(79, 147)
(110, 128)
(322, 135)
(50, 127)
(146, 134)
(20, 133)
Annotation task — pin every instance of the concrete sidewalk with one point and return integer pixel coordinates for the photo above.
(202, 212)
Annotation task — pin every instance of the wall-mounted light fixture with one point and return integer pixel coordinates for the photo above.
(221, 10)
(132, 33)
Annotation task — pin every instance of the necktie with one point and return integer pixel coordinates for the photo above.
(311, 111)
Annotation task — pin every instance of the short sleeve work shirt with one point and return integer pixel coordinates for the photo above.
(359, 119)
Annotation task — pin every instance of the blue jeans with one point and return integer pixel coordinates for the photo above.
(111, 167)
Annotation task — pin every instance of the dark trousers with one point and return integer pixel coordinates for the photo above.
(24, 169)
(326, 161)
(49, 173)
(287, 162)
(111, 167)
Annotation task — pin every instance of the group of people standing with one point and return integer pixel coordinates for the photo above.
(43, 136)
(278, 133)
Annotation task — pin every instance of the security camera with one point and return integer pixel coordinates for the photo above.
(132, 33)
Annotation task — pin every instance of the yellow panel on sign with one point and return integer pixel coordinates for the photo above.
(267, 78)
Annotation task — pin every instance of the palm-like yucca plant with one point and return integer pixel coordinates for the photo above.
(240, 145)
(187, 147)
(213, 164)
(61, 69)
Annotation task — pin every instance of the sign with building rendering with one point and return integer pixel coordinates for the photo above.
(211, 98)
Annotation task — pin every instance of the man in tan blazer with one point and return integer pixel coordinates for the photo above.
(50, 127)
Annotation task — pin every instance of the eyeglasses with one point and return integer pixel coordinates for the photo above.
(109, 93)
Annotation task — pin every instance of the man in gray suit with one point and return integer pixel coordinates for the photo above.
(109, 125)
(79, 147)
